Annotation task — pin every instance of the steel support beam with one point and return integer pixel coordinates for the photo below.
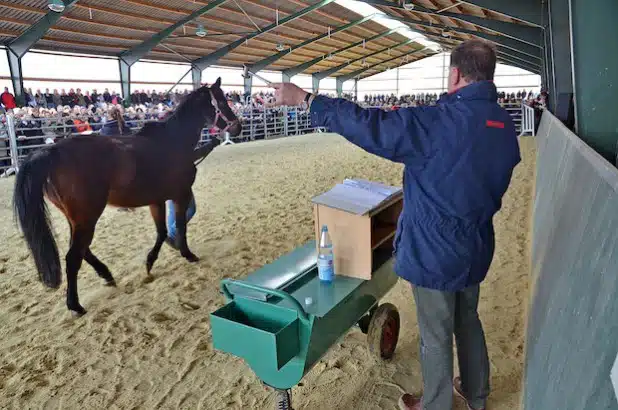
(549, 82)
(125, 79)
(19, 46)
(526, 10)
(134, 54)
(315, 84)
(507, 42)
(327, 73)
(291, 72)
(339, 86)
(519, 64)
(358, 72)
(358, 78)
(196, 77)
(512, 55)
(248, 84)
(212, 58)
(528, 34)
(560, 49)
(356, 89)
(17, 78)
(260, 65)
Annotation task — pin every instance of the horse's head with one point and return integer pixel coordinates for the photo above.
(224, 119)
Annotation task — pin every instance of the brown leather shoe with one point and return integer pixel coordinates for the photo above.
(459, 391)
(410, 402)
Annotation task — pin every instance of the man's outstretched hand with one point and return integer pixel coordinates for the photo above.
(288, 94)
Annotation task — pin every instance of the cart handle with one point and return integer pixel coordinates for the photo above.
(274, 292)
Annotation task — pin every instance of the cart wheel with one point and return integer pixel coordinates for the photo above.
(284, 400)
(383, 331)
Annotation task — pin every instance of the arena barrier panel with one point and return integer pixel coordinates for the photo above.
(572, 324)
(527, 120)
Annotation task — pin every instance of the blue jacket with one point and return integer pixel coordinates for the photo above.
(459, 157)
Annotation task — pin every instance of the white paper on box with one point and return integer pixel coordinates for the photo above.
(356, 196)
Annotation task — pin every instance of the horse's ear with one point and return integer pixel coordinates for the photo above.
(217, 83)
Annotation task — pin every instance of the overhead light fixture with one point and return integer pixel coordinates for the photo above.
(201, 31)
(407, 4)
(280, 47)
(446, 33)
(56, 5)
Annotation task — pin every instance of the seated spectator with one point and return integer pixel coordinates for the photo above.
(115, 124)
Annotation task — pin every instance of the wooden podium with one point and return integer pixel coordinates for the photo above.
(357, 237)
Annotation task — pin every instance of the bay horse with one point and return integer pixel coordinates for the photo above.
(82, 174)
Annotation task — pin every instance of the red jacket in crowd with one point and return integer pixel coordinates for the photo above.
(8, 100)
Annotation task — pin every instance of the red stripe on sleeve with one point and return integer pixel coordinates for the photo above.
(494, 124)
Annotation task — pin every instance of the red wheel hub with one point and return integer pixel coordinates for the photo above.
(389, 336)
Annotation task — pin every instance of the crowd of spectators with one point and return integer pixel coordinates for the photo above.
(50, 115)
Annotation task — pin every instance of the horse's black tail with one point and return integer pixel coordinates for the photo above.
(33, 217)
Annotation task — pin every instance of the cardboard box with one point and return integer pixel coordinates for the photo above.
(357, 232)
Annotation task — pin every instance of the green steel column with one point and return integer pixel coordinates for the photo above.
(594, 38)
(248, 80)
(125, 79)
(339, 87)
(559, 30)
(315, 82)
(16, 76)
(196, 76)
(548, 63)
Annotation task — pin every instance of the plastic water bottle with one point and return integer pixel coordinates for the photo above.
(326, 268)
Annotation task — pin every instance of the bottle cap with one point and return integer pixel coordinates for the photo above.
(324, 228)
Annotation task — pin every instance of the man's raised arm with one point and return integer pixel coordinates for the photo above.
(395, 135)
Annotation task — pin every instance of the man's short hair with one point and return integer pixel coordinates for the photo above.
(475, 59)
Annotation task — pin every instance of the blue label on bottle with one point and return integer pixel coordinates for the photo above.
(326, 269)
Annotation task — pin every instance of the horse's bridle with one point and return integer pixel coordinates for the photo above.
(219, 114)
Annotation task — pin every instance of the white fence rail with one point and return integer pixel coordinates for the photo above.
(527, 122)
(20, 136)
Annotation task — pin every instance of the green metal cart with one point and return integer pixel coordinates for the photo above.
(282, 319)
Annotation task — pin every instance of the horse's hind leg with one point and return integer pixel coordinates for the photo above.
(158, 214)
(181, 227)
(80, 242)
(101, 269)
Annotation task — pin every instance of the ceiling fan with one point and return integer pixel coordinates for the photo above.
(201, 32)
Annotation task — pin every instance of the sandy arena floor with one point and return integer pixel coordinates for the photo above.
(148, 345)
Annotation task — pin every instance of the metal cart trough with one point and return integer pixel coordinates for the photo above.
(282, 319)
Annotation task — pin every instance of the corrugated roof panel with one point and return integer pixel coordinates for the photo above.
(10, 12)
(127, 6)
(11, 26)
(98, 26)
(38, 4)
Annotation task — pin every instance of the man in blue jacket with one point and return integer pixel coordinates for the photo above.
(459, 156)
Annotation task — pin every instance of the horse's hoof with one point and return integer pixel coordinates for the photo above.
(79, 312)
(110, 283)
(191, 258)
(149, 265)
(148, 279)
